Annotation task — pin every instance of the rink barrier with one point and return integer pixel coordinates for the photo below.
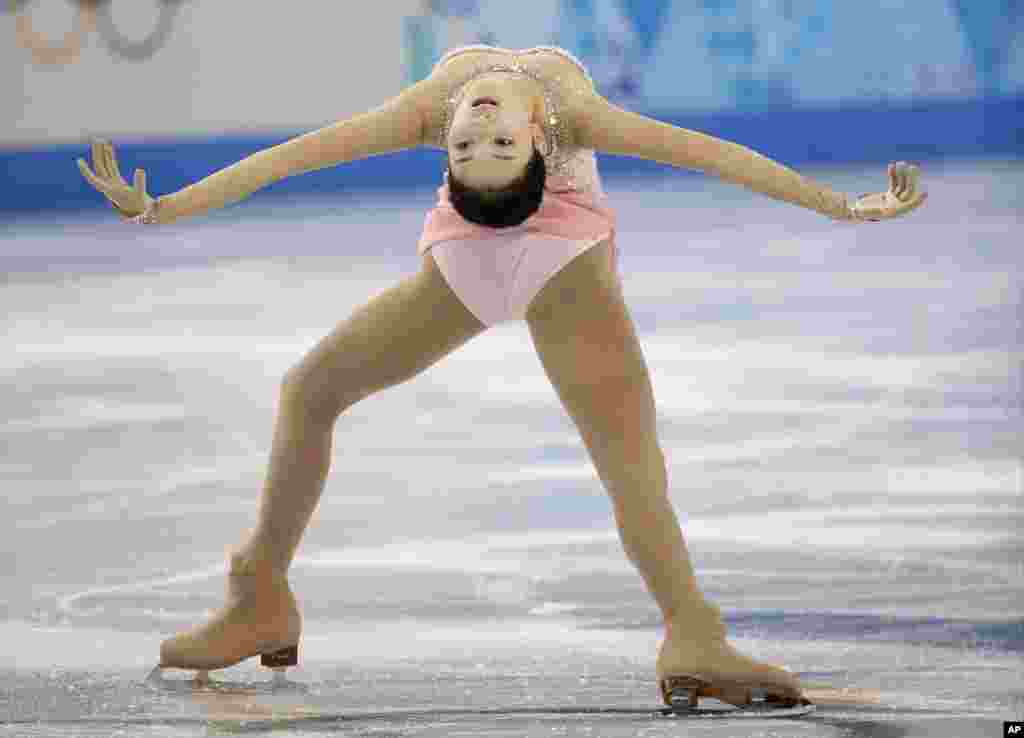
(45, 178)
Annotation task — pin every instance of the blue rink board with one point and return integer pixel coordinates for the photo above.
(44, 179)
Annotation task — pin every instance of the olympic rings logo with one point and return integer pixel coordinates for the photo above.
(92, 15)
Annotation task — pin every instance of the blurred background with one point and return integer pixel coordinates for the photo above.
(188, 87)
(839, 406)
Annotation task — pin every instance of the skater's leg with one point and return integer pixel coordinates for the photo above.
(392, 338)
(588, 346)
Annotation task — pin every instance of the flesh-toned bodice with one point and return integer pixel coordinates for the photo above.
(565, 82)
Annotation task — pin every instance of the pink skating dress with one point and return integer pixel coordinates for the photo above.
(496, 272)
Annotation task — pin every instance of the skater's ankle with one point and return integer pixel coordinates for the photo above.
(697, 617)
(245, 563)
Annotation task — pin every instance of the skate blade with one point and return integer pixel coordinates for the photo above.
(200, 679)
(279, 684)
(277, 661)
(682, 693)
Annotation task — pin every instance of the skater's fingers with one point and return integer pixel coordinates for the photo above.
(98, 163)
(92, 179)
(115, 175)
(112, 158)
(912, 203)
(900, 173)
(904, 190)
(907, 178)
(84, 169)
(913, 177)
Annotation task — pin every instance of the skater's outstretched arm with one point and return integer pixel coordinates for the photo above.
(607, 127)
(398, 124)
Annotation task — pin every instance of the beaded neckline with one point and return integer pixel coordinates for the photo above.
(557, 158)
(556, 50)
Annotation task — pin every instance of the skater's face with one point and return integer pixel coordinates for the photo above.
(493, 132)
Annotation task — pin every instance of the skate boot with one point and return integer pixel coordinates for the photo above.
(260, 618)
(696, 661)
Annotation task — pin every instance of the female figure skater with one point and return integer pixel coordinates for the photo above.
(522, 230)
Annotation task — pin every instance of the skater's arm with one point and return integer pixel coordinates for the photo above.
(398, 124)
(607, 127)
(394, 126)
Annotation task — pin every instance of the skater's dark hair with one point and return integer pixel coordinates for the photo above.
(503, 207)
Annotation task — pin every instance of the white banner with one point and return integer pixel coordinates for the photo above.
(218, 67)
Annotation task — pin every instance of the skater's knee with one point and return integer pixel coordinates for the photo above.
(311, 396)
(628, 441)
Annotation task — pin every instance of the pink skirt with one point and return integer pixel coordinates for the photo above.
(496, 272)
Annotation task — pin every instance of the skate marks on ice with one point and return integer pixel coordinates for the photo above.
(230, 701)
(387, 701)
(239, 701)
(234, 700)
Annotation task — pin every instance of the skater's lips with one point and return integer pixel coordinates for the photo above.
(485, 101)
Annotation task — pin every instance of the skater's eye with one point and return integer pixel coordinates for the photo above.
(463, 145)
(502, 141)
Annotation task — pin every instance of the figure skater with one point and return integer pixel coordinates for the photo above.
(522, 230)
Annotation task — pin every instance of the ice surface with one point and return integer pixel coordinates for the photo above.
(839, 407)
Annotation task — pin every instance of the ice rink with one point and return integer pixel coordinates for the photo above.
(839, 405)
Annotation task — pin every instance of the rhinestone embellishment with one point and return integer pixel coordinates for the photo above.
(557, 158)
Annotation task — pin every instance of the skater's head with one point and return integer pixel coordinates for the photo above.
(501, 207)
(496, 172)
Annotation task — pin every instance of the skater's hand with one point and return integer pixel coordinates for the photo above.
(904, 195)
(126, 199)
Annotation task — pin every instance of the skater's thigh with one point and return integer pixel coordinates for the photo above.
(588, 346)
(390, 339)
